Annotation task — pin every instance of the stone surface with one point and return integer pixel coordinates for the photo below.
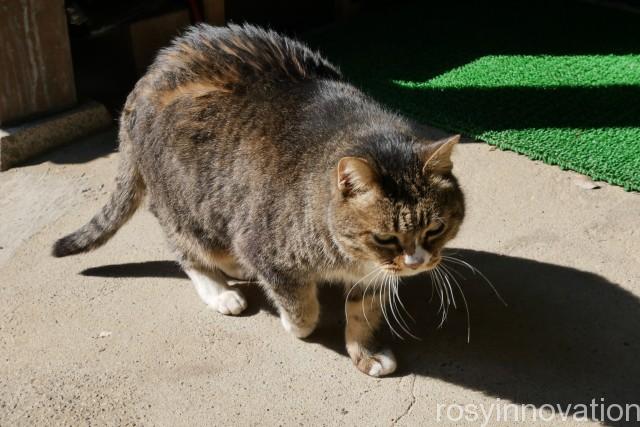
(20, 143)
(565, 260)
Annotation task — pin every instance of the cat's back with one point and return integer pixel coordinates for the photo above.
(220, 101)
(222, 74)
(233, 59)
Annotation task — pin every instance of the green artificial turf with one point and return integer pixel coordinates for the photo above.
(559, 85)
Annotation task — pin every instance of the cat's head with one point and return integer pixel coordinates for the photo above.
(397, 205)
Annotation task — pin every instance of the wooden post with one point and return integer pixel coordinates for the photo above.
(214, 11)
(151, 34)
(37, 83)
(36, 73)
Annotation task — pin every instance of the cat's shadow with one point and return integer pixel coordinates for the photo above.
(566, 336)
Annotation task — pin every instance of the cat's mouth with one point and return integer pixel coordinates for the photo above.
(399, 269)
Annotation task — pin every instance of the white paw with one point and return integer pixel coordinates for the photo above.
(379, 364)
(298, 331)
(230, 303)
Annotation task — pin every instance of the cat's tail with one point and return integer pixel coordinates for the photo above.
(124, 201)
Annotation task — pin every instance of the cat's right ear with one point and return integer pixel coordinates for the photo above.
(437, 155)
(355, 176)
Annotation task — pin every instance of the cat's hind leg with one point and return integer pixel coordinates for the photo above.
(212, 287)
(205, 262)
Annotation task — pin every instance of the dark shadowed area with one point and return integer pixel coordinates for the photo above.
(532, 351)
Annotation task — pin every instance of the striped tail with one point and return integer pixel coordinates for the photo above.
(123, 203)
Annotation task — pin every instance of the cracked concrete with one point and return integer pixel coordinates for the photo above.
(118, 336)
(412, 401)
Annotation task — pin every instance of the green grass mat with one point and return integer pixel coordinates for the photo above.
(556, 83)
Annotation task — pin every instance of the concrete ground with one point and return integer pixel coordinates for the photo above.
(118, 336)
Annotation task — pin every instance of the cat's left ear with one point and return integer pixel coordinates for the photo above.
(436, 156)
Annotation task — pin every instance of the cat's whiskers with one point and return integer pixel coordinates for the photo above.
(388, 293)
(452, 268)
(398, 280)
(439, 289)
(355, 285)
(389, 284)
(364, 295)
(445, 300)
(474, 270)
(398, 302)
(464, 300)
(433, 287)
(395, 295)
(380, 300)
(382, 297)
(445, 276)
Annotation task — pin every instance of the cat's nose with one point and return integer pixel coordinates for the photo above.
(413, 261)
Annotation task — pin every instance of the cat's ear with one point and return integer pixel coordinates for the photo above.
(436, 156)
(355, 176)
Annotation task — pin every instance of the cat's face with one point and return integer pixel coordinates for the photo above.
(398, 220)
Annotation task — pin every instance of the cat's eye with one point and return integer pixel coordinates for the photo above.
(435, 232)
(385, 239)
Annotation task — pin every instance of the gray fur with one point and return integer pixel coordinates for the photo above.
(236, 134)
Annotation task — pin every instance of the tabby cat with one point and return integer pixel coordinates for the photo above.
(262, 163)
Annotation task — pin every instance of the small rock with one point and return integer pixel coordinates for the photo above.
(586, 183)
(104, 334)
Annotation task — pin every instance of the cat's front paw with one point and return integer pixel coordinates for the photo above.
(230, 303)
(301, 328)
(377, 364)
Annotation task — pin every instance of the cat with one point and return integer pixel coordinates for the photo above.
(262, 163)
